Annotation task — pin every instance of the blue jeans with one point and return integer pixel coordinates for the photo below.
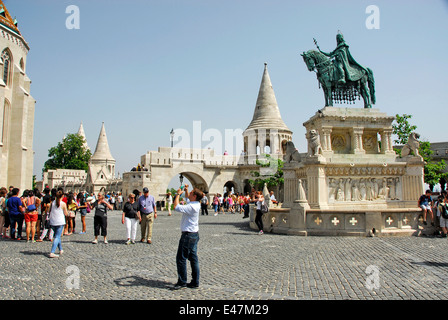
(16, 218)
(57, 238)
(188, 249)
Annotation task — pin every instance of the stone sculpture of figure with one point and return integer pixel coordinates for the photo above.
(362, 189)
(291, 153)
(396, 181)
(348, 189)
(347, 67)
(355, 191)
(375, 188)
(412, 145)
(369, 190)
(333, 185)
(314, 147)
(340, 192)
(384, 190)
(393, 182)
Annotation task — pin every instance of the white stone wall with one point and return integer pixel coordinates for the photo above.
(17, 108)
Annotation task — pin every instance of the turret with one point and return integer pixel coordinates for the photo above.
(267, 133)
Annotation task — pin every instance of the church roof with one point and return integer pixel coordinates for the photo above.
(102, 151)
(267, 114)
(6, 19)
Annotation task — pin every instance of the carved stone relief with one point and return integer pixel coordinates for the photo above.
(363, 189)
(370, 143)
(338, 143)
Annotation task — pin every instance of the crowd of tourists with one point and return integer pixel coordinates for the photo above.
(235, 202)
(49, 215)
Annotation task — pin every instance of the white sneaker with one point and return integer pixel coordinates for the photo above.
(95, 241)
(105, 241)
(53, 255)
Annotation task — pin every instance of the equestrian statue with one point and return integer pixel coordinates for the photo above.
(343, 80)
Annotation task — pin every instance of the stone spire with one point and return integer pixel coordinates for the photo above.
(267, 128)
(102, 151)
(82, 134)
(267, 114)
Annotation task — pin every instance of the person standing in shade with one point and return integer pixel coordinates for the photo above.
(58, 212)
(188, 243)
(100, 218)
(131, 218)
(148, 212)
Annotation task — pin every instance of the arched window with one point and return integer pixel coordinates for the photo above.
(6, 58)
(5, 114)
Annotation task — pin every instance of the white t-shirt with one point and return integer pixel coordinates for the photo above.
(57, 217)
(190, 216)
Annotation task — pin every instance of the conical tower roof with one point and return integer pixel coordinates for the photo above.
(267, 114)
(82, 134)
(102, 151)
(6, 19)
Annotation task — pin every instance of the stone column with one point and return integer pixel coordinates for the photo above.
(317, 186)
(261, 140)
(326, 139)
(357, 147)
(386, 141)
(251, 147)
(274, 138)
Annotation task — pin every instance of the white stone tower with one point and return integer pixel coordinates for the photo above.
(82, 134)
(267, 133)
(102, 164)
(16, 107)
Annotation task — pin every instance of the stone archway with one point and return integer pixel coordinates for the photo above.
(247, 187)
(231, 186)
(196, 180)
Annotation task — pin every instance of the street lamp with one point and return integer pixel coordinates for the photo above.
(181, 178)
(172, 136)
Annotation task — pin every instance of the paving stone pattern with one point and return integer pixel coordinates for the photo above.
(235, 263)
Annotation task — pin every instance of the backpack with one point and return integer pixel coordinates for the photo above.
(444, 211)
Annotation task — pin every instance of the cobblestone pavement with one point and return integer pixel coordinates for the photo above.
(235, 263)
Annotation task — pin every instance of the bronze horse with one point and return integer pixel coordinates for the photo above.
(363, 84)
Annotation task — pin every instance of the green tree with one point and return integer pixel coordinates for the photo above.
(433, 170)
(69, 154)
(275, 178)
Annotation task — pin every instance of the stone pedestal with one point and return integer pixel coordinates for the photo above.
(352, 180)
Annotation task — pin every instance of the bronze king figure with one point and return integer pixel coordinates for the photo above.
(343, 80)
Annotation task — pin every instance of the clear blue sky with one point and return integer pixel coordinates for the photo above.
(143, 67)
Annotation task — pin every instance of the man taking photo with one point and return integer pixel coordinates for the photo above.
(188, 243)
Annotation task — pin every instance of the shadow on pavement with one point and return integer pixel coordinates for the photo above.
(133, 281)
